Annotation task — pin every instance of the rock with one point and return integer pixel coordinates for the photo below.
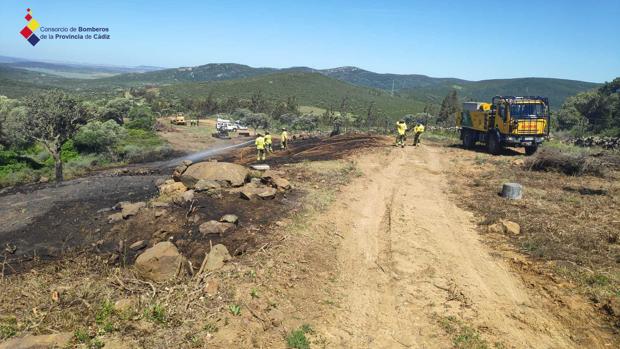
(211, 287)
(188, 196)
(496, 228)
(159, 181)
(274, 179)
(172, 188)
(267, 193)
(505, 226)
(512, 191)
(276, 316)
(159, 213)
(281, 183)
(160, 263)
(159, 204)
(230, 218)
(131, 209)
(510, 227)
(123, 305)
(187, 162)
(227, 174)
(248, 193)
(56, 340)
(217, 257)
(115, 217)
(138, 245)
(206, 184)
(44, 179)
(255, 181)
(215, 227)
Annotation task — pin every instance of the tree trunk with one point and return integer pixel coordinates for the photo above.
(58, 166)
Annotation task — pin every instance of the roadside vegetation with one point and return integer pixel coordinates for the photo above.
(56, 136)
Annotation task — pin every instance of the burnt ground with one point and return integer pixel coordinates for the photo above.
(44, 221)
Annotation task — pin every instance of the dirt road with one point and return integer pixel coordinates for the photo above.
(411, 260)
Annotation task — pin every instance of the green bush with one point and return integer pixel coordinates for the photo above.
(141, 117)
(68, 151)
(98, 137)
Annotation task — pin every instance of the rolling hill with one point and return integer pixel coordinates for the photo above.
(312, 89)
(418, 87)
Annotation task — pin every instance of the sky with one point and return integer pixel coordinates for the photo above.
(472, 40)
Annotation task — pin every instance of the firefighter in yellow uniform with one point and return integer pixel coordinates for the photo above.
(260, 147)
(268, 142)
(401, 129)
(284, 139)
(417, 132)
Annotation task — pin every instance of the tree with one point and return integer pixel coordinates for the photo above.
(53, 118)
(8, 116)
(97, 136)
(256, 120)
(449, 107)
(141, 117)
(116, 109)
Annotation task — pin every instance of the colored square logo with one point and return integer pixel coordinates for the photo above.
(33, 25)
(28, 17)
(33, 39)
(26, 32)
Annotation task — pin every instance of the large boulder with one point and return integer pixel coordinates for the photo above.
(216, 228)
(56, 340)
(226, 174)
(161, 262)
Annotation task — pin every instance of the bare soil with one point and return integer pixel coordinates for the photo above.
(375, 247)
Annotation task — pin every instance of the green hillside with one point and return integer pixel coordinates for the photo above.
(419, 88)
(207, 72)
(311, 89)
(556, 89)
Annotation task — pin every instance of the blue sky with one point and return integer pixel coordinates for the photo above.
(466, 39)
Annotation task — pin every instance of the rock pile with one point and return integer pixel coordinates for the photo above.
(213, 177)
(596, 141)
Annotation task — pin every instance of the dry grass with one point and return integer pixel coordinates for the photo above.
(573, 163)
(571, 222)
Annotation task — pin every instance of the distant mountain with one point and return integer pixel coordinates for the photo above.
(73, 70)
(207, 72)
(357, 76)
(421, 87)
(416, 86)
(310, 89)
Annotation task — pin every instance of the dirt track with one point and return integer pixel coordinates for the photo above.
(410, 257)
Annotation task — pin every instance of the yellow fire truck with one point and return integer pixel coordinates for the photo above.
(506, 121)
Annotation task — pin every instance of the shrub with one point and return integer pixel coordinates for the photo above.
(68, 151)
(298, 340)
(98, 137)
(573, 164)
(142, 118)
